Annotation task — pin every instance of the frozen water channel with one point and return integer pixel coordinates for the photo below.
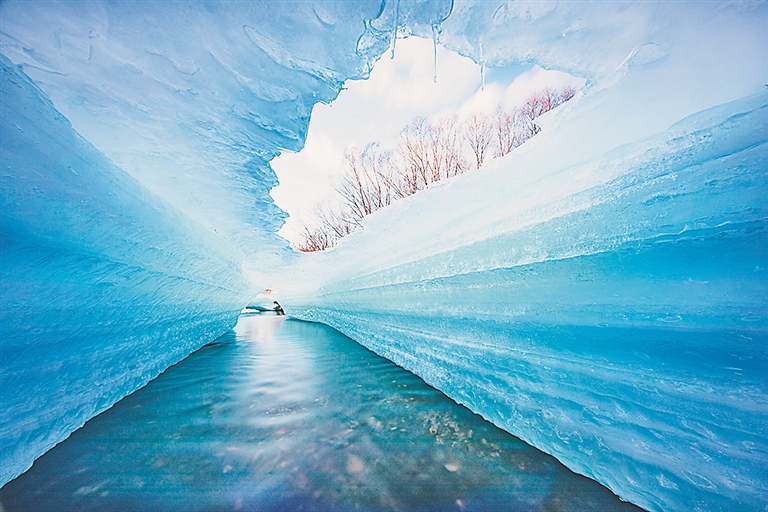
(281, 414)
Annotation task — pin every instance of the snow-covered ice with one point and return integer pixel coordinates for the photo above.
(600, 292)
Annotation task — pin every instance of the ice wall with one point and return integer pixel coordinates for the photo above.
(194, 98)
(103, 286)
(599, 292)
(613, 315)
(135, 145)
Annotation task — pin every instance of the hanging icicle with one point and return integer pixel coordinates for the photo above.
(394, 27)
(482, 68)
(435, 32)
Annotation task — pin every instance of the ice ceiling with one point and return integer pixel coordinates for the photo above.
(137, 221)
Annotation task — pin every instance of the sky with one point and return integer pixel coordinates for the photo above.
(377, 109)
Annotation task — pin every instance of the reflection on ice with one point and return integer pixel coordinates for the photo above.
(288, 415)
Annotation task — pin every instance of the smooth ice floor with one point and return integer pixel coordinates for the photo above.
(288, 415)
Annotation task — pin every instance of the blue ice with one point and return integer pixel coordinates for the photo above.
(600, 292)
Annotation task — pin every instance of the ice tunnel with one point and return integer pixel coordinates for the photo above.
(600, 292)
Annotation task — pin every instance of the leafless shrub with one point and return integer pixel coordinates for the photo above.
(505, 130)
(414, 152)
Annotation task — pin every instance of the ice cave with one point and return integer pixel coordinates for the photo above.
(601, 292)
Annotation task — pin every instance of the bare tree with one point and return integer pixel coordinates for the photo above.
(530, 110)
(549, 98)
(414, 153)
(352, 186)
(429, 153)
(444, 149)
(391, 171)
(368, 182)
(478, 132)
(314, 240)
(332, 224)
(540, 103)
(567, 93)
(382, 185)
(425, 153)
(506, 125)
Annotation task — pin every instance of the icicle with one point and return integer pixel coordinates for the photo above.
(394, 27)
(434, 41)
(482, 68)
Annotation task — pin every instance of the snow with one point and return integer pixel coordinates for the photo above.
(600, 292)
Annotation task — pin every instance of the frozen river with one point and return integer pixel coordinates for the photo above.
(281, 414)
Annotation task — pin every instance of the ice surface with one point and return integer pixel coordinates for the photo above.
(600, 292)
(297, 417)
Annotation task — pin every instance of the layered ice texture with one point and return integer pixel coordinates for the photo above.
(620, 327)
(600, 292)
(104, 286)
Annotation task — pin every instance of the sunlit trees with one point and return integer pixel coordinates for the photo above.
(505, 130)
(567, 93)
(368, 183)
(414, 153)
(330, 225)
(549, 99)
(446, 149)
(538, 104)
(478, 133)
(532, 108)
(425, 153)
(428, 153)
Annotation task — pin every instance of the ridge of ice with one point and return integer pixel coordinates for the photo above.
(611, 226)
